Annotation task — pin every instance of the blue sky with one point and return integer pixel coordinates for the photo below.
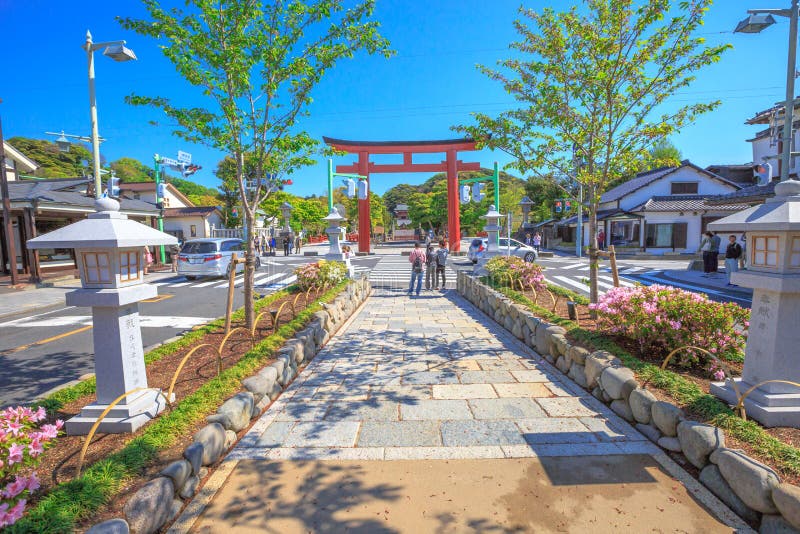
(430, 85)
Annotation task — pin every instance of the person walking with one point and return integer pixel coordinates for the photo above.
(148, 259)
(705, 248)
(716, 243)
(537, 241)
(298, 242)
(528, 240)
(272, 245)
(441, 265)
(417, 260)
(732, 254)
(430, 266)
(257, 245)
(743, 257)
(287, 245)
(601, 239)
(174, 252)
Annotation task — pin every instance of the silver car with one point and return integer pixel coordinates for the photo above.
(477, 248)
(210, 257)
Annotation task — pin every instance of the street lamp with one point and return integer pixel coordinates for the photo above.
(117, 51)
(758, 20)
(64, 144)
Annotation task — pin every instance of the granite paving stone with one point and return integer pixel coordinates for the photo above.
(400, 434)
(526, 389)
(463, 391)
(371, 410)
(435, 410)
(485, 377)
(507, 408)
(475, 433)
(322, 434)
(565, 407)
(555, 430)
(275, 434)
(431, 378)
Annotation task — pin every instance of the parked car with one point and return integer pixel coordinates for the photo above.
(507, 246)
(210, 257)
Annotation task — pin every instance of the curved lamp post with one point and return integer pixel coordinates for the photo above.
(117, 51)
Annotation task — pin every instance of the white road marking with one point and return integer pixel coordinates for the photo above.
(8, 323)
(569, 281)
(146, 321)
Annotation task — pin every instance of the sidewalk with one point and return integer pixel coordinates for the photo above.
(424, 415)
(716, 281)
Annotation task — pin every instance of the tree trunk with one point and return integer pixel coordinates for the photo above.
(249, 270)
(593, 257)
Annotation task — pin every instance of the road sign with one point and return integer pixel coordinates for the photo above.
(184, 157)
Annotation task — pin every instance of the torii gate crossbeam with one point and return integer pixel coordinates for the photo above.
(451, 166)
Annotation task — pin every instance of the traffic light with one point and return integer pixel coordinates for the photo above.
(558, 206)
(465, 194)
(190, 169)
(363, 190)
(113, 186)
(477, 191)
(567, 205)
(764, 173)
(351, 187)
(162, 190)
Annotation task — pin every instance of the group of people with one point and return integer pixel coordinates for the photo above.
(734, 255)
(534, 241)
(269, 246)
(431, 262)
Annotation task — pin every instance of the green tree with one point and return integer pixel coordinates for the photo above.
(52, 162)
(593, 79)
(131, 170)
(256, 64)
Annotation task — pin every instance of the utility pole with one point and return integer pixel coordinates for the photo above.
(11, 247)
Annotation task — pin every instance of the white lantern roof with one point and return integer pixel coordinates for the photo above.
(492, 213)
(333, 216)
(108, 228)
(779, 213)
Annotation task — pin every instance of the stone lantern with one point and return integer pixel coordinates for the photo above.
(109, 250)
(526, 205)
(493, 229)
(286, 211)
(773, 249)
(334, 232)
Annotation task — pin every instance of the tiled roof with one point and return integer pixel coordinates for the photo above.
(601, 215)
(683, 203)
(643, 179)
(201, 211)
(66, 192)
(755, 194)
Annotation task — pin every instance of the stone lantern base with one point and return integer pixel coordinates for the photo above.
(769, 409)
(143, 407)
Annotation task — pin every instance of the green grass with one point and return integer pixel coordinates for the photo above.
(685, 392)
(70, 502)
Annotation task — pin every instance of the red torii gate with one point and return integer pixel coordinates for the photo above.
(452, 165)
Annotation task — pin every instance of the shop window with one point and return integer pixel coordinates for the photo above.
(129, 266)
(96, 267)
(765, 251)
(684, 188)
(794, 259)
(666, 235)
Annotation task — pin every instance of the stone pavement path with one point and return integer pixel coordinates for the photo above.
(431, 378)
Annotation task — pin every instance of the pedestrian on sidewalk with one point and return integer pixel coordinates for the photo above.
(537, 241)
(298, 242)
(441, 265)
(732, 254)
(148, 259)
(272, 246)
(716, 244)
(705, 248)
(287, 245)
(601, 240)
(743, 257)
(257, 245)
(430, 266)
(417, 259)
(174, 251)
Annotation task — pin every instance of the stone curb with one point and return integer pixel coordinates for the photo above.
(180, 480)
(748, 483)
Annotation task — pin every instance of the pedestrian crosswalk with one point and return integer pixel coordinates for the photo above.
(575, 276)
(262, 281)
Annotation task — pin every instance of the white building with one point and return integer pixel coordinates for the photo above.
(663, 211)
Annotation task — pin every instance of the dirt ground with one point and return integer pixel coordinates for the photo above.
(565, 494)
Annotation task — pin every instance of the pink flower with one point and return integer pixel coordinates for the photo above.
(33, 483)
(15, 488)
(35, 447)
(15, 453)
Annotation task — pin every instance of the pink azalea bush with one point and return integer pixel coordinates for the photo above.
(21, 443)
(663, 318)
(502, 267)
(320, 273)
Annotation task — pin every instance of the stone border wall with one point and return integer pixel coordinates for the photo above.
(751, 489)
(161, 499)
